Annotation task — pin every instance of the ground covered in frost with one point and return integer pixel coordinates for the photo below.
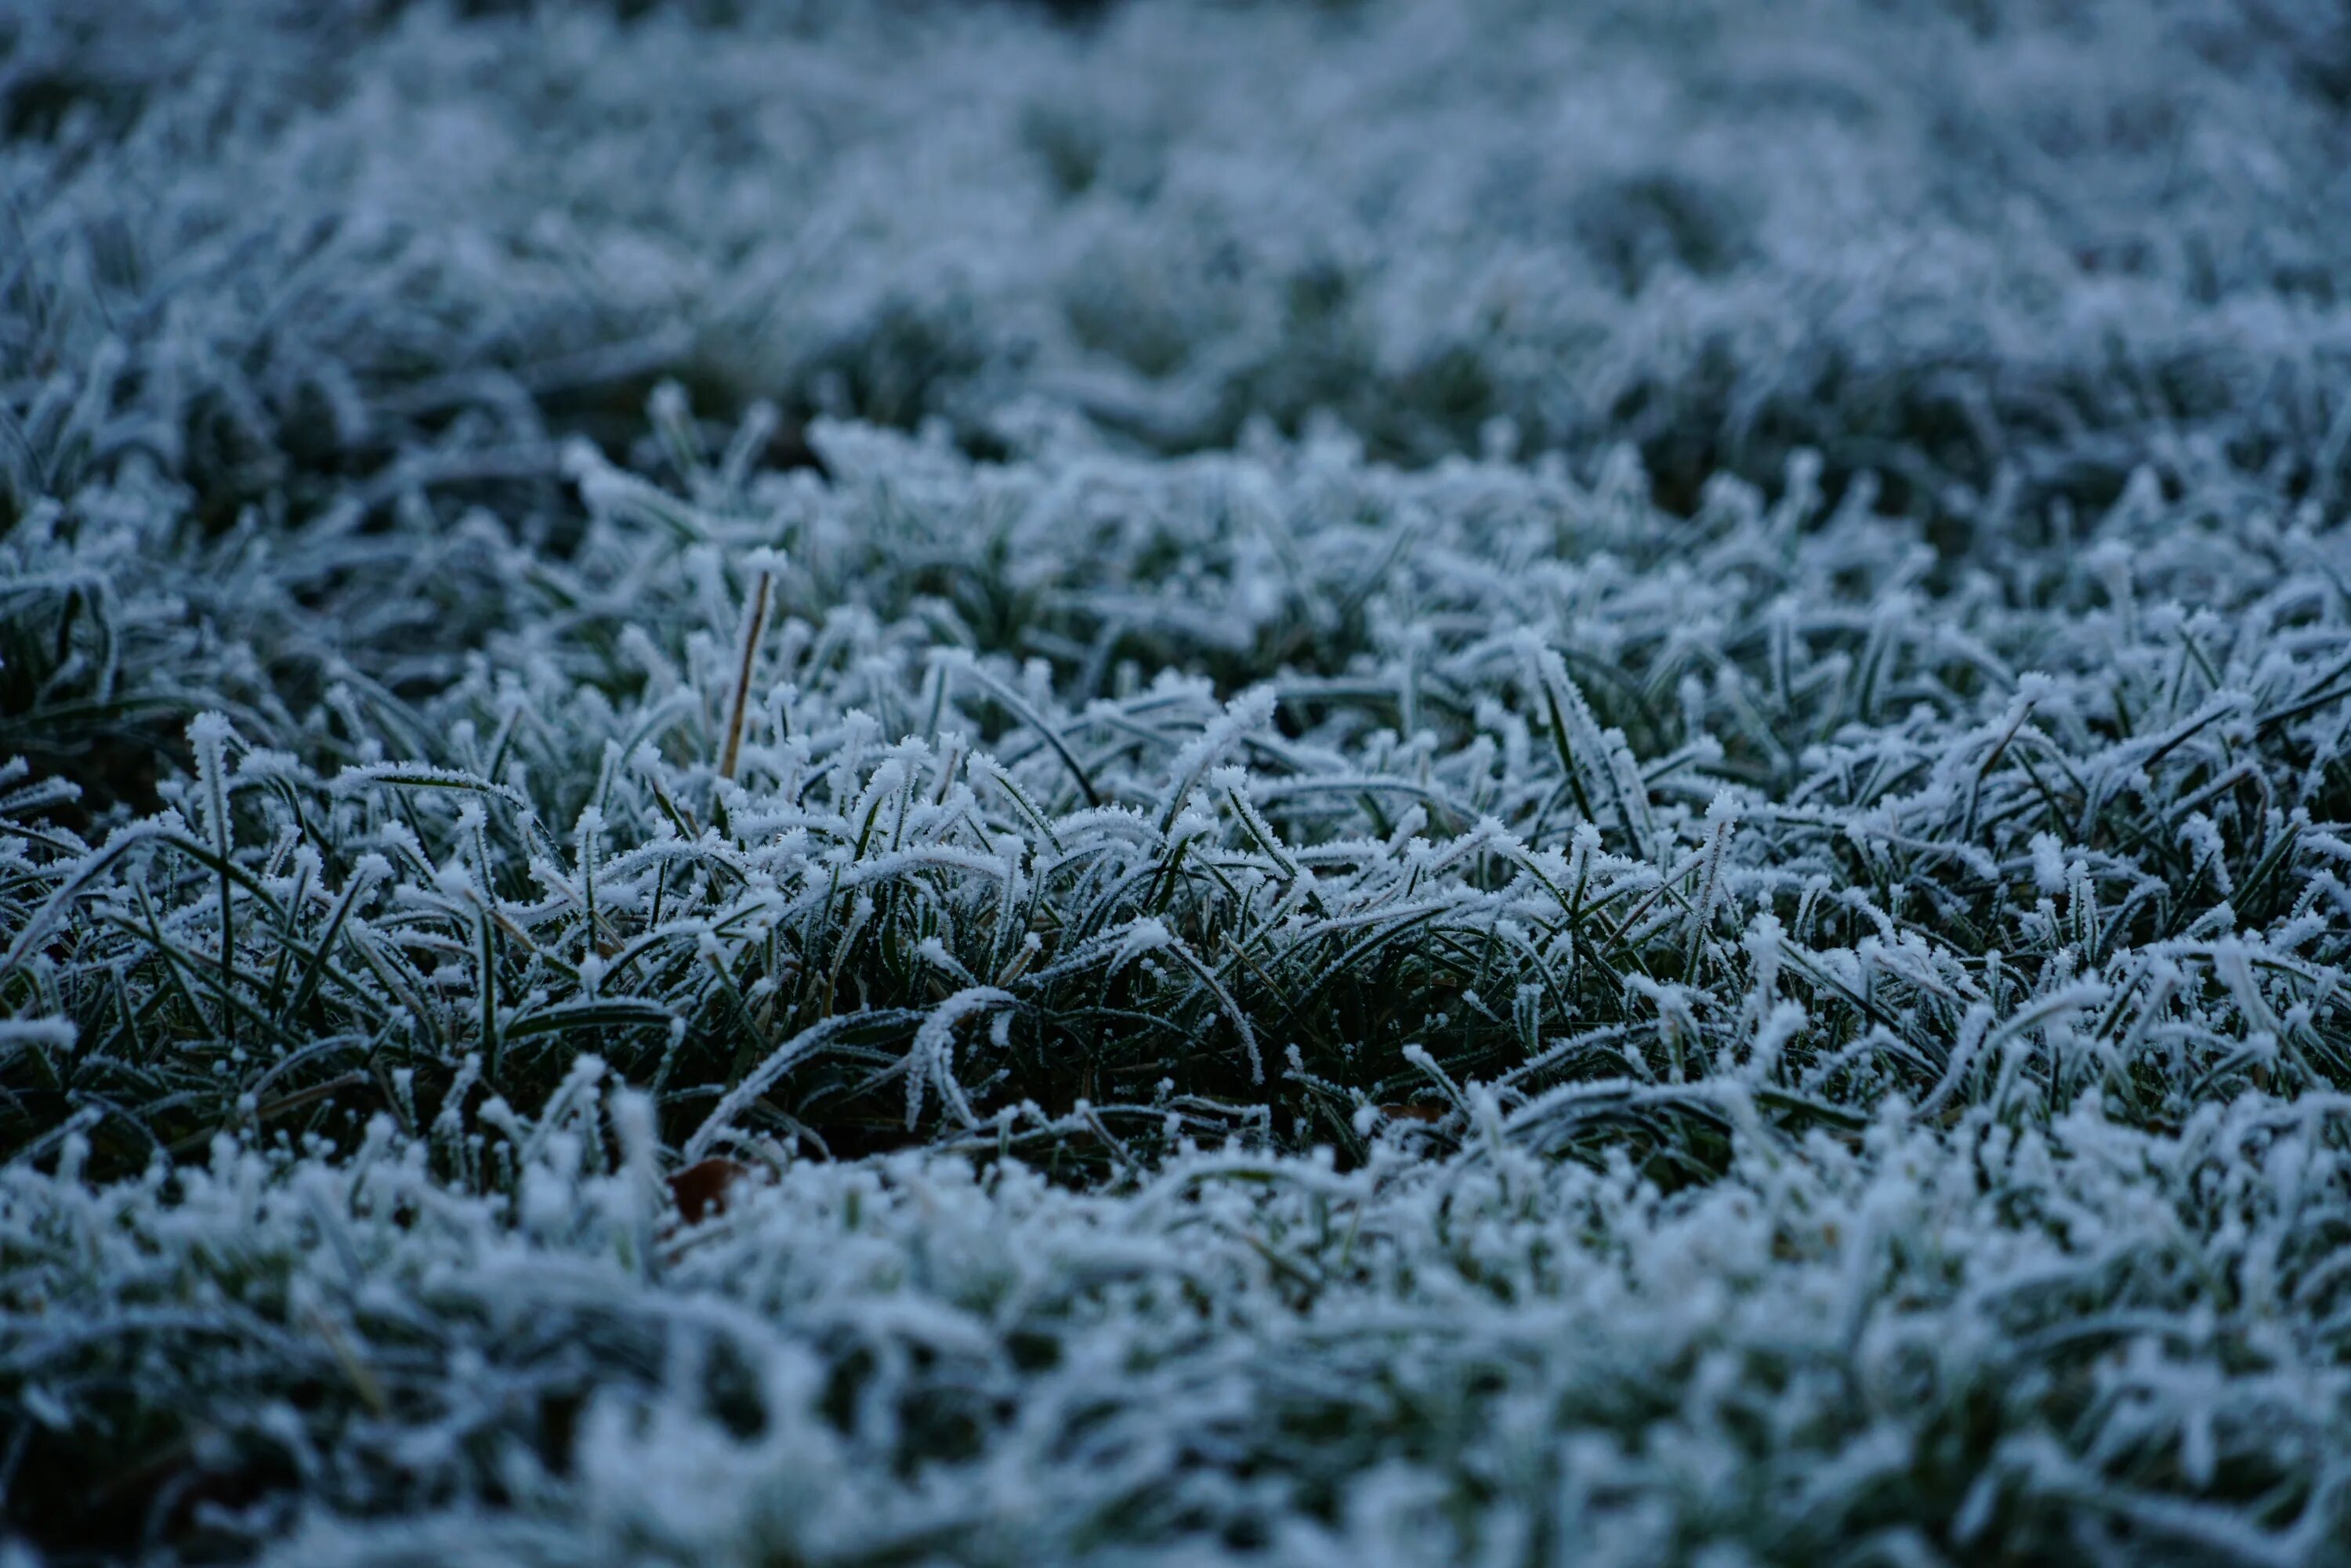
(1362, 783)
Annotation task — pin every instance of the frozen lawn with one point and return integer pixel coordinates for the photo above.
(1332, 784)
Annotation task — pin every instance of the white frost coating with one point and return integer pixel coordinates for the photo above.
(931, 1058)
(1800, 928)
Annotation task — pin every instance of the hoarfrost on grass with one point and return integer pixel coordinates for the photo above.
(1647, 922)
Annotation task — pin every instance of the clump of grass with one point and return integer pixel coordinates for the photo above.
(1794, 782)
(1924, 1340)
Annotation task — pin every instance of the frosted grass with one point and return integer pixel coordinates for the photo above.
(816, 788)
